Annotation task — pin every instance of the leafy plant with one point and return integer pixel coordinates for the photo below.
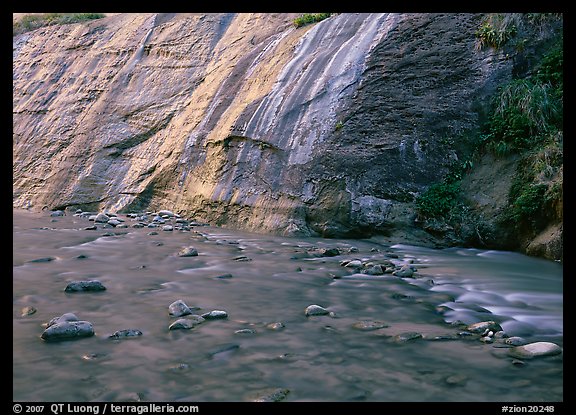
(438, 199)
(309, 18)
(497, 29)
(35, 21)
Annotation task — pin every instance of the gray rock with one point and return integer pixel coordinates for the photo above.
(369, 325)
(67, 330)
(114, 222)
(537, 349)
(275, 326)
(102, 218)
(405, 272)
(57, 213)
(355, 263)
(63, 318)
(166, 213)
(329, 252)
(186, 323)
(515, 341)
(122, 334)
(84, 286)
(406, 337)
(179, 308)
(315, 310)
(215, 315)
(482, 326)
(188, 251)
(276, 395)
(167, 228)
(245, 331)
(486, 339)
(158, 219)
(375, 270)
(91, 228)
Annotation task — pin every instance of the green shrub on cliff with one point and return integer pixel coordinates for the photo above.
(35, 21)
(309, 18)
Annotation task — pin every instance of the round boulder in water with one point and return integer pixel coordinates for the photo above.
(315, 310)
(215, 314)
(188, 251)
(67, 327)
(186, 323)
(537, 349)
(102, 218)
(84, 286)
(179, 308)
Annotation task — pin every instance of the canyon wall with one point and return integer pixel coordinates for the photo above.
(246, 121)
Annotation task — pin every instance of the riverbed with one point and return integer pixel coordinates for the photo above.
(386, 338)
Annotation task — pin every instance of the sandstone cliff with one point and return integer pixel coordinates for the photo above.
(244, 120)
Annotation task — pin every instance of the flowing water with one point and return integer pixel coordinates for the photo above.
(317, 358)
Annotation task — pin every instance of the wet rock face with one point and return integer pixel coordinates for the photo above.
(328, 129)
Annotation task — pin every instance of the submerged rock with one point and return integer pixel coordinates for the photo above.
(122, 334)
(482, 326)
(405, 272)
(315, 310)
(369, 325)
(27, 311)
(67, 327)
(88, 285)
(245, 331)
(186, 323)
(44, 259)
(537, 349)
(275, 326)
(276, 395)
(406, 337)
(188, 251)
(215, 314)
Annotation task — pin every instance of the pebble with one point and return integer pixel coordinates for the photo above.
(242, 258)
(166, 213)
(245, 331)
(28, 311)
(67, 327)
(167, 228)
(215, 314)
(91, 228)
(188, 251)
(407, 336)
(122, 334)
(179, 308)
(369, 325)
(315, 310)
(84, 286)
(537, 349)
(275, 396)
(186, 323)
(456, 380)
(275, 326)
(57, 213)
(482, 326)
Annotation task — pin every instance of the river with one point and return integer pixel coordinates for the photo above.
(272, 280)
